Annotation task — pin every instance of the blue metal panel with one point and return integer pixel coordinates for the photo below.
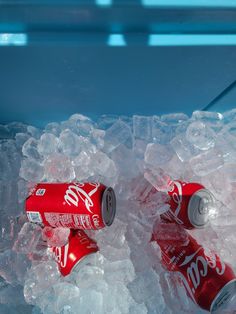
(119, 57)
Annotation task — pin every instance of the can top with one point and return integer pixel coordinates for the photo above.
(225, 296)
(108, 206)
(198, 208)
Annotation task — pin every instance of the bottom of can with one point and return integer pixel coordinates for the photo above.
(225, 296)
(198, 208)
(108, 206)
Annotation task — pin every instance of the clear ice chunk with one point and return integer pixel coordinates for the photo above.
(207, 162)
(47, 144)
(69, 143)
(158, 178)
(103, 165)
(55, 236)
(28, 238)
(200, 135)
(82, 166)
(142, 127)
(58, 167)
(31, 170)
(30, 149)
(157, 154)
(184, 149)
(116, 135)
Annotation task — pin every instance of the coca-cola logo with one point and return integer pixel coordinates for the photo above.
(75, 193)
(198, 269)
(61, 255)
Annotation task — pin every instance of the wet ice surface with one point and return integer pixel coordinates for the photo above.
(134, 156)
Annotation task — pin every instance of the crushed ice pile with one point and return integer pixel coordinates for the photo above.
(131, 154)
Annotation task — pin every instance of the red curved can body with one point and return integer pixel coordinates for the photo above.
(181, 210)
(73, 205)
(204, 274)
(78, 247)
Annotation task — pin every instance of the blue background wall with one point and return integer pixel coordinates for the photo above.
(98, 59)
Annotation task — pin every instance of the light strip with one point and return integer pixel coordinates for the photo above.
(103, 3)
(116, 40)
(10, 39)
(191, 40)
(191, 3)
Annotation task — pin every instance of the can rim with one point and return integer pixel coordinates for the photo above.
(81, 261)
(108, 206)
(222, 290)
(193, 211)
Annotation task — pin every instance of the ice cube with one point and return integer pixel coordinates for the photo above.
(12, 266)
(114, 235)
(34, 132)
(200, 135)
(138, 309)
(161, 131)
(125, 161)
(47, 144)
(84, 125)
(138, 233)
(28, 238)
(157, 154)
(17, 127)
(82, 166)
(174, 118)
(142, 127)
(211, 118)
(58, 167)
(119, 271)
(158, 178)
(105, 121)
(30, 149)
(31, 170)
(67, 298)
(90, 300)
(22, 190)
(88, 276)
(39, 278)
(113, 254)
(56, 236)
(184, 149)
(21, 138)
(175, 295)
(97, 138)
(207, 162)
(229, 115)
(54, 128)
(116, 135)
(69, 143)
(103, 165)
(145, 286)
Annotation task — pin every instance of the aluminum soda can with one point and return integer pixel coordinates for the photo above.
(189, 204)
(74, 205)
(77, 249)
(209, 281)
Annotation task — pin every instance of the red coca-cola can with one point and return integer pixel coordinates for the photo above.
(75, 205)
(209, 281)
(189, 204)
(77, 249)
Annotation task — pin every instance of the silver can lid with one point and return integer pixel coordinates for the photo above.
(224, 297)
(108, 206)
(198, 208)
